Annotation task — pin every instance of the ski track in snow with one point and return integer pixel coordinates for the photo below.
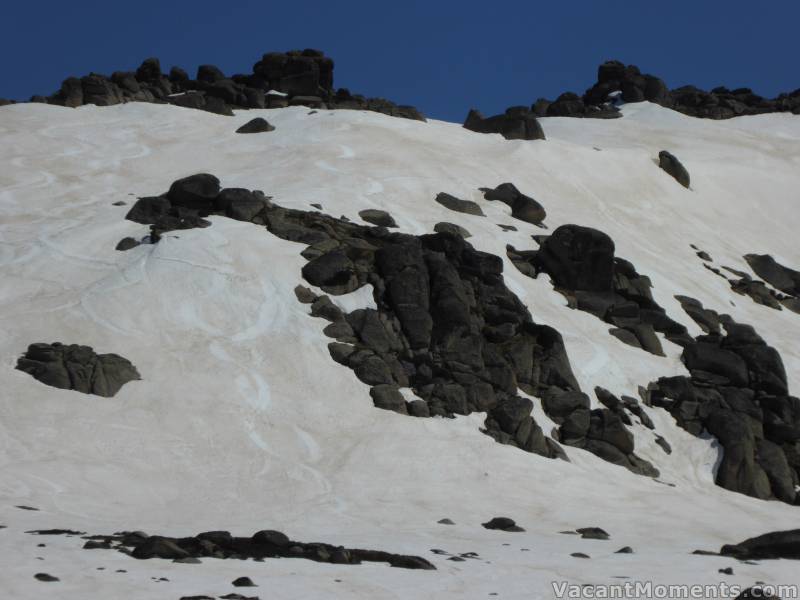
(243, 422)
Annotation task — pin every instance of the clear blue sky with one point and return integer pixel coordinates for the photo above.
(441, 56)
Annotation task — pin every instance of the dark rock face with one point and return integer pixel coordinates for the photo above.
(673, 166)
(73, 367)
(517, 123)
(582, 265)
(447, 327)
(737, 391)
(263, 544)
(522, 207)
(572, 105)
(257, 125)
(778, 544)
(458, 205)
(302, 77)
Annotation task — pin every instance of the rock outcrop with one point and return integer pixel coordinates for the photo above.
(517, 123)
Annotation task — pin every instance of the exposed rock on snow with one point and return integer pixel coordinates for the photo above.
(377, 217)
(738, 392)
(263, 544)
(522, 207)
(458, 205)
(582, 265)
(778, 544)
(444, 227)
(502, 524)
(670, 164)
(517, 123)
(73, 367)
(257, 125)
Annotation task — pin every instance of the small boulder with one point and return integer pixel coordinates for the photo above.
(458, 205)
(377, 217)
(502, 524)
(257, 125)
(669, 163)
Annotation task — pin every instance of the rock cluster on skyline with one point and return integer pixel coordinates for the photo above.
(279, 79)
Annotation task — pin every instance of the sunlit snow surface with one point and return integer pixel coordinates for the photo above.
(242, 421)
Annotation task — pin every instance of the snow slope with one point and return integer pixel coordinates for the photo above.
(243, 422)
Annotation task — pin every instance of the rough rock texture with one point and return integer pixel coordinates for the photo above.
(73, 367)
(522, 207)
(670, 164)
(777, 544)
(277, 80)
(446, 326)
(263, 544)
(517, 123)
(737, 391)
(582, 265)
(257, 125)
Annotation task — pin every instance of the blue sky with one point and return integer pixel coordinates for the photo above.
(443, 57)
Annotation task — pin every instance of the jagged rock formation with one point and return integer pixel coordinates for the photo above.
(517, 123)
(277, 80)
(582, 265)
(263, 544)
(73, 367)
(670, 164)
(445, 326)
(737, 391)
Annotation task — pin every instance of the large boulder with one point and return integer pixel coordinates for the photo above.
(196, 192)
(79, 368)
(777, 544)
(578, 258)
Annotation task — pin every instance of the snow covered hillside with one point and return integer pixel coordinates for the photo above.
(242, 421)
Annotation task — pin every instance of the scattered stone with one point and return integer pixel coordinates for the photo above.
(243, 582)
(55, 531)
(625, 550)
(46, 577)
(726, 571)
(119, 203)
(445, 522)
(257, 125)
(580, 555)
(79, 368)
(506, 227)
(502, 524)
(23, 507)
